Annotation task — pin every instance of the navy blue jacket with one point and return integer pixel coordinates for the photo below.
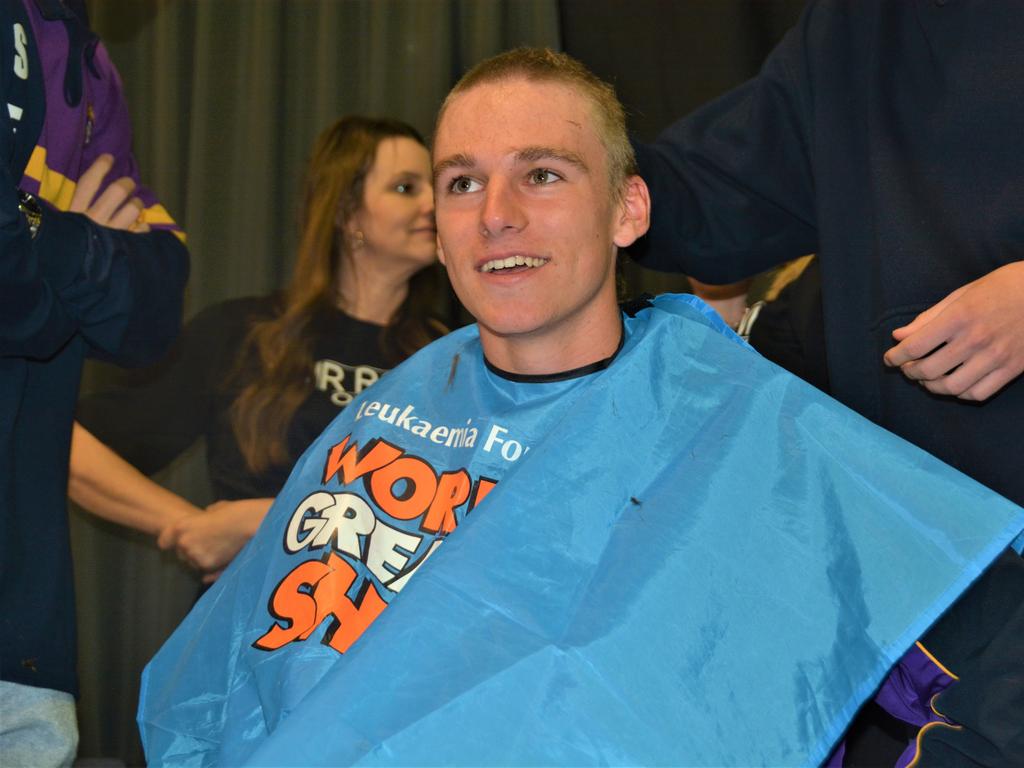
(76, 290)
(886, 137)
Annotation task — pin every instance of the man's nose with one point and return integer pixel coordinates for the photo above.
(502, 210)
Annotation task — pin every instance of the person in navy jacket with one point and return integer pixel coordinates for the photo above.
(69, 289)
(885, 137)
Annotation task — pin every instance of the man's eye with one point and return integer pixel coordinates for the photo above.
(407, 188)
(543, 176)
(460, 185)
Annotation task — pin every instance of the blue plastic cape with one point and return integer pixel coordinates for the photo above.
(690, 557)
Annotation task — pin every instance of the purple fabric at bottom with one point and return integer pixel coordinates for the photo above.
(835, 760)
(907, 694)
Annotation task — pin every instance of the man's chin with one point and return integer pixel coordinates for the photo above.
(510, 330)
(511, 327)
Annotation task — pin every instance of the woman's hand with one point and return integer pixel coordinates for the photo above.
(209, 541)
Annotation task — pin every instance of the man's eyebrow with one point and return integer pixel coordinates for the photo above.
(453, 161)
(535, 154)
(525, 155)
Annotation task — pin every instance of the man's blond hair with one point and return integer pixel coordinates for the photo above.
(547, 66)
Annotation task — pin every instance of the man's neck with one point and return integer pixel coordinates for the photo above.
(554, 351)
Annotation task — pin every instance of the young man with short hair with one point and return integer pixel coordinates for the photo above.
(533, 211)
(624, 587)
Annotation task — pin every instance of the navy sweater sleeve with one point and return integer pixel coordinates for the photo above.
(731, 185)
(122, 291)
(139, 313)
(33, 319)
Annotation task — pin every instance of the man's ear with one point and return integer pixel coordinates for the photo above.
(633, 212)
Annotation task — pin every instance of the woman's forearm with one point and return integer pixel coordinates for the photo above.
(109, 487)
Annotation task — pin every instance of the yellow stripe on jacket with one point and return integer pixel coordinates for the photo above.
(58, 190)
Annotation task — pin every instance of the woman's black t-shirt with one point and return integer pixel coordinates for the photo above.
(189, 395)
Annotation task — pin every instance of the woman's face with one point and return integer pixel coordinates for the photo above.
(397, 216)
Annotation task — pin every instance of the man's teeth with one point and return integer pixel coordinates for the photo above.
(512, 261)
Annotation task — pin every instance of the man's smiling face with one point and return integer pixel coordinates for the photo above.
(526, 218)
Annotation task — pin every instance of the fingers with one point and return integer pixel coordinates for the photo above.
(938, 364)
(197, 545)
(923, 319)
(971, 350)
(988, 385)
(168, 537)
(196, 548)
(90, 182)
(923, 337)
(919, 343)
(961, 371)
(959, 381)
(201, 559)
(118, 194)
(918, 322)
(951, 369)
(193, 559)
(971, 381)
(127, 217)
(115, 206)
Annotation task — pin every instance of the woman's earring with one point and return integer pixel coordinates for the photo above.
(358, 240)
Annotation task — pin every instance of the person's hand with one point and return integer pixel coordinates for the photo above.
(970, 344)
(209, 541)
(111, 205)
(729, 301)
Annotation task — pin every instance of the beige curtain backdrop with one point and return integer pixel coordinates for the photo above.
(226, 97)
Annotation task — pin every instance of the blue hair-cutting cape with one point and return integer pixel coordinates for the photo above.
(700, 560)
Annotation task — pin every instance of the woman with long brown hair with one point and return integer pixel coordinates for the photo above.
(261, 377)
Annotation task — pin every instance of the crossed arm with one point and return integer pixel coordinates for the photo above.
(106, 485)
(103, 483)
